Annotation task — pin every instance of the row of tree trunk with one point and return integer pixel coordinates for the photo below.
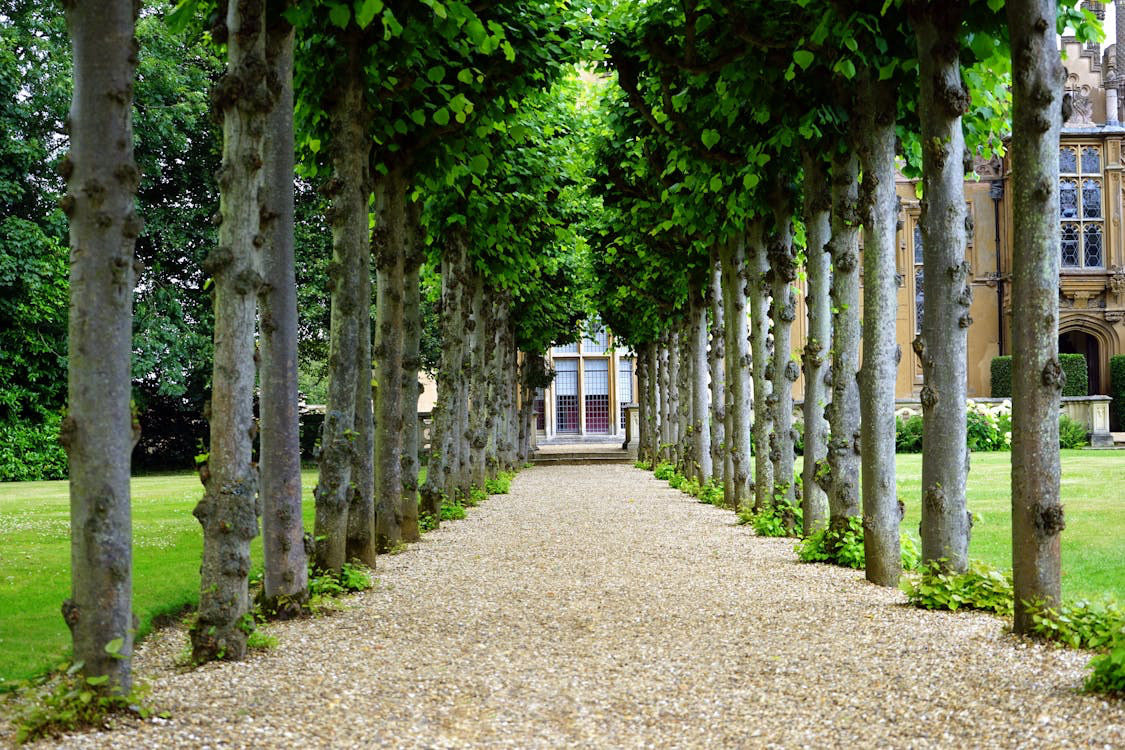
(482, 421)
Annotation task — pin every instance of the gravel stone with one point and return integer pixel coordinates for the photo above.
(595, 607)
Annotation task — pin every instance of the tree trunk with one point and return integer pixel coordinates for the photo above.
(229, 509)
(665, 406)
(285, 586)
(360, 544)
(843, 411)
(478, 388)
(783, 311)
(720, 456)
(701, 430)
(390, 259)
(942, 344)
(678, 397)
(348, 190)
(411, 364)
(1037, 376)
(732, 256)
(818, 341)
(644, 414)
(757, 266)
(881, 510)
(99, 431)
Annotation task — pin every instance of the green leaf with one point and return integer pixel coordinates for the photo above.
(99, 680)
(441, 117)
(178, 19)
(479, 164)
(804, 58)
(339, 15)
(465, 76)
(436, 73)
(366, 10)
(113, 648)
(710, 137)
(716, 184)
(846, 68)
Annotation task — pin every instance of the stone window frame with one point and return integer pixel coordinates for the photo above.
(1080, 220)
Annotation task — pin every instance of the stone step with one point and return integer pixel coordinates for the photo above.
(1118, 438)
(584, 457)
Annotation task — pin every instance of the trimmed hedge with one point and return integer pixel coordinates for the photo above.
(1001, 371)
(1117, 388)
(1077, 377)
(1074, 365)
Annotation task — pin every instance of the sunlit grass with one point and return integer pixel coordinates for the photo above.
(35, 562)
(1093, 558)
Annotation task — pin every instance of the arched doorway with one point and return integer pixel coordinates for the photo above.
(1080, 342)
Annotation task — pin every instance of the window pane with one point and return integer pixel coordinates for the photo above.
(567, 349)
(1092, 245)
(624, 386)
(596, 344)
(1091, 199)
(596, 386)
(1068, 199)
(1069, 244)
(566, 396)
(917, 243)
(1091, 160)
(1068, 160)
(919, 298)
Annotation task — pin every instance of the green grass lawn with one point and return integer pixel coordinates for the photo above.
(1093, 496)
(35, 562)
(35, 550)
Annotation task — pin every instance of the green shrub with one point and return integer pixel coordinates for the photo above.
(1117, 389)
(73, 701)
(780, 519)
(501, 484)
(1072, 433)
(1081, 624)
(1077, 376)
(643, 465)
(676, 481)
(664, 470)
(1108, 675)
(842, 546)
(1001, 372)
(477, 495)
(353, 577)
(1089, 625)
(452, 511)
(711, 493)
(980, 587)
(31, 451)
(908, 434)
(988, 428)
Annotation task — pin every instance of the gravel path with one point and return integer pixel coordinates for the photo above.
(594, 607)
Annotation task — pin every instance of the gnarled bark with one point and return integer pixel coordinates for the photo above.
(285, 585)
(818, 341)
(99, 431)
(942, 344)
(732, 256)
(411, 364)
(757, 285)
(843, 412)
(701, 431)
(389, 252)
(348, 190)
(1037, 377)
(720, 457)
(783, 311)
(881, 510)
(229, 509)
